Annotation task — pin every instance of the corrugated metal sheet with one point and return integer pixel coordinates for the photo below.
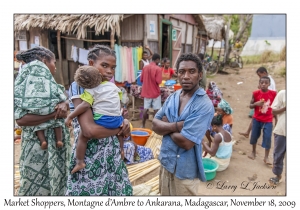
(132, 28)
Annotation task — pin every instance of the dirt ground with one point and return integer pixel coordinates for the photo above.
(237, 179)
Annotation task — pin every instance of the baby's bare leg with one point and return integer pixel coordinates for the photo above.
(80, 153)
(41, 136)
(58, 137)
(121, 140)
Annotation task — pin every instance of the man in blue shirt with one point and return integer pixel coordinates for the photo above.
(183, 121)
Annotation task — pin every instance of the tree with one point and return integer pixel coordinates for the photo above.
(243, 22)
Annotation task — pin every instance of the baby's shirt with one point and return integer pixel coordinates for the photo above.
(104, 99)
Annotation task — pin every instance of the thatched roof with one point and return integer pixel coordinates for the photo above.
(199, 21)
(214, 27)
(70, 23)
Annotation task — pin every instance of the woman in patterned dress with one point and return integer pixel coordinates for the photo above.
(36, 94)
(105, 172)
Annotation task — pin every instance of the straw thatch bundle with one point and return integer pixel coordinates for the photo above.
(214, 27)
(70, 24)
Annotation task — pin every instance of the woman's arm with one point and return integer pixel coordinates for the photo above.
(33, 119)
(91, 130)
(212, 150)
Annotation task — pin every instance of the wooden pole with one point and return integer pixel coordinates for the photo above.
(145, 30)
(185, 38)
(112, 39)
(60, 59)
(199, 43)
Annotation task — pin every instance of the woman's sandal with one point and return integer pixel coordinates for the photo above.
(274, 181)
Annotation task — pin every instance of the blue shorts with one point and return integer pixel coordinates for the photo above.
(256, 131)
(110, 122)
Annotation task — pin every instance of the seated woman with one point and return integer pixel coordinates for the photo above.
(214, 93)
(225, 111)
(134, 153)
(221, 149)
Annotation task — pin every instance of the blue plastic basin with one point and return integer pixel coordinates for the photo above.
(140, 133)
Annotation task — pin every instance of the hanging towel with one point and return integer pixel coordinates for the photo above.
(74, 54)
(140, 55)
(135, 61)
(118, 72)
(130, 72)
(124, 64)
(83, 54)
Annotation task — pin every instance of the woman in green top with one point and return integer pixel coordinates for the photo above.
(37, 107)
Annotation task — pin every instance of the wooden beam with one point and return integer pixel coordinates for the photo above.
(145, 31)
(112, 39)
(86, 40)
(185, 40)
(60, 58)
(132, 41)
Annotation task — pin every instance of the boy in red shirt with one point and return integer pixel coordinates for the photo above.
(261, 101)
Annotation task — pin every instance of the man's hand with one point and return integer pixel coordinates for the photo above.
(165, 119)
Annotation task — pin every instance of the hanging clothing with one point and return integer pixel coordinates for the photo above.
(83, 54)
(118, 71)
(131, 73)
(140, 55)
(135, 60)
(74, 54)
(146, 62)
(124, 64)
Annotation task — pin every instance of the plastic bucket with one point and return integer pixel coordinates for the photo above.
(177, 87)
(210, 168)
(140, 137)
(138, 78)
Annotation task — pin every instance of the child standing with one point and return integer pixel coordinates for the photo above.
(104, 97)
(261, 72)
(261, 101)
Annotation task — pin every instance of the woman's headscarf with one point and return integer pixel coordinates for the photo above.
(225, 106)
(215, 90)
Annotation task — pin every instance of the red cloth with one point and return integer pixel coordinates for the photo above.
(259, 95)
(168, 72)
(151, 77)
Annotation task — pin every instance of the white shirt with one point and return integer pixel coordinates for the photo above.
(280, 102)
(272, 84)
(106, 99)
(145, 62)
